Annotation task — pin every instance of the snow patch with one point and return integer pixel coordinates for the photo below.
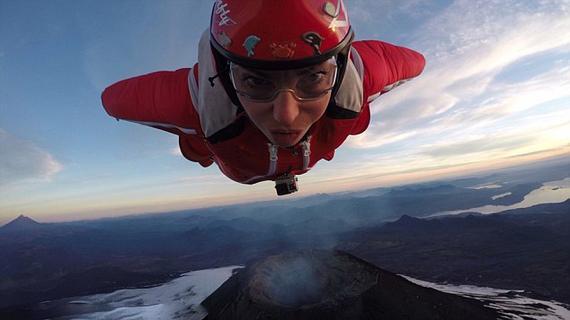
(502, 195)
(177, 299)
(486, 186)
(509, 303)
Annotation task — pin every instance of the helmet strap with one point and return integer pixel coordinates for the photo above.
(333, 111)
(342, 61)
(223, 73)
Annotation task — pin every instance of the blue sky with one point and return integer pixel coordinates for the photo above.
(495, 92)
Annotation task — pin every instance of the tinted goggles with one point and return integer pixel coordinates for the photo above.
(306, 84)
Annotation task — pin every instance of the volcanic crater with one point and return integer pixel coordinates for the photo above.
(318, 284)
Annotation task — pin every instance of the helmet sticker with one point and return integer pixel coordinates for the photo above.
(259, 35)
(283, 50)
(314, 40)
(330, 10)
(224, 40)
(250, 43)
(335, 21)
(220, 8)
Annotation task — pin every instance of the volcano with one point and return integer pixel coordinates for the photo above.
(318, 284)
(21, 223)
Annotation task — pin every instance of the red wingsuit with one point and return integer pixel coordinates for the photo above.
(213, 130)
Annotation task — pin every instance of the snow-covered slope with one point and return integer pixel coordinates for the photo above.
(177, 299)
(512, 304)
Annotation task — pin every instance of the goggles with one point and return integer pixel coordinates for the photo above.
(306, 84)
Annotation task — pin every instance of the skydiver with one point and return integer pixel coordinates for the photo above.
(278, 86)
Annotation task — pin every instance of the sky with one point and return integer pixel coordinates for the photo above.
(495, 92)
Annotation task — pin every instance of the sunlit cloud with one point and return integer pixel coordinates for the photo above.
(467, 46)
(22, 160)
(483, 143)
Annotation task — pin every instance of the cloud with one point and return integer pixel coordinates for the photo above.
(22, 160)
(391, 20)
(478, 145)
(467, 46)
(175, 151)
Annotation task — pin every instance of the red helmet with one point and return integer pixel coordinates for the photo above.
(282, 34)
(278, 34)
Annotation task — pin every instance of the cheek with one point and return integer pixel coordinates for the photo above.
(257, 112)
(253, 109)
(315, 110)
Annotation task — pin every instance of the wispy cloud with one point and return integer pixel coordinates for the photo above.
(528, 134)
(470, 147)
(390, 19)
(467, 46)
(22, 160)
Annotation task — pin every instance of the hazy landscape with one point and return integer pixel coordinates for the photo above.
(518, 249)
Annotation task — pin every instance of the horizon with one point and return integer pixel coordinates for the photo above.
(143, 213)
(495, 94)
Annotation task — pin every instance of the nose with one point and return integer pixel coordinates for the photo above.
(285, 108)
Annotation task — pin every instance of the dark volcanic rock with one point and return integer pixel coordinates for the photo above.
(331, 285)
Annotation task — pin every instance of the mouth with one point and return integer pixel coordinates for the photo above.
(286, 132)
(286, 137)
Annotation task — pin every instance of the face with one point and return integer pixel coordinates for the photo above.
(284, 121)
(285, 104)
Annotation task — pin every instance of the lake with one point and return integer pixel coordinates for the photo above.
(550, 192)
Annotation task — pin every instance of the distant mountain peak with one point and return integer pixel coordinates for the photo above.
(22, 222)
(408, 219)
(424, 188)
(25, 219)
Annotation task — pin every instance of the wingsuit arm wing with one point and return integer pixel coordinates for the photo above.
(387, 66)
(162, 100)
(159, 99)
